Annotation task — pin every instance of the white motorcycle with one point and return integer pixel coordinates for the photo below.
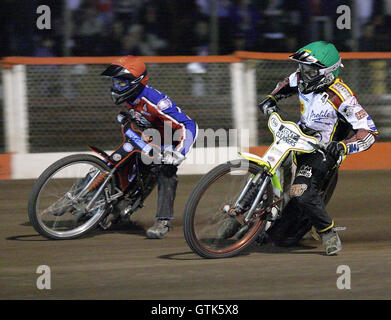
(237, 202)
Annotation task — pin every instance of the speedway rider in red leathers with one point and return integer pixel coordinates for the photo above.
(331, 113)
(150, 108)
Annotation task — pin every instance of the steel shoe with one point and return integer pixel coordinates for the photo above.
(331, 242)
(159, 230)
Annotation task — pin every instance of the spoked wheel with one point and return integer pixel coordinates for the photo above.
(58, 200)
(208, 228)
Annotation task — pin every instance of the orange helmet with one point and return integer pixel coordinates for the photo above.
(129, 75)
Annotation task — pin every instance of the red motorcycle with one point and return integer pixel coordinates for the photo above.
(80, 192)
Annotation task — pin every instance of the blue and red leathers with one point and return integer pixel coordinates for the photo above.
(155, 110)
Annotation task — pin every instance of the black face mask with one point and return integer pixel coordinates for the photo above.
(309, 78)
(124, 90)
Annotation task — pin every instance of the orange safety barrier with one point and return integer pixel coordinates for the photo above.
(238, 56)
(378, 157)
(9, 61)
(5, 166)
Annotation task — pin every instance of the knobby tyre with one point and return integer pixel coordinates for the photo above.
(47, 179)
(214, 189)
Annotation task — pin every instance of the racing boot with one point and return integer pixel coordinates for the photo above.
(331, 242)
(159, 230)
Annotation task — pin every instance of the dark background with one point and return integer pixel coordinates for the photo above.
(188, 27)
(67, 103)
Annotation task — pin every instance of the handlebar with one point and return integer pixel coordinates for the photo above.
(320, 147)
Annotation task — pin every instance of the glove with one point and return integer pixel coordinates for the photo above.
(172, 157)
(268, 105)
(123, 117)
(337, 151)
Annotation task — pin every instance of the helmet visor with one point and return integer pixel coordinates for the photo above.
(309, 72)
(120, 85)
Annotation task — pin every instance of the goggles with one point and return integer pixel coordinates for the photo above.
(309, 72)
(119, 84)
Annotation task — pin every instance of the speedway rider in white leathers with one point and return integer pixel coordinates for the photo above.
(331, 113)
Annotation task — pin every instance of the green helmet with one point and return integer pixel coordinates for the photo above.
(319, 65)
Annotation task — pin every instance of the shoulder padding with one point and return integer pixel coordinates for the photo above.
(339, 92)
(341, 89)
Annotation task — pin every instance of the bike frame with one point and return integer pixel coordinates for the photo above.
(287, 137)
(119, 160)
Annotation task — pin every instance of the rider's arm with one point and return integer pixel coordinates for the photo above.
(284, 89)
(365, 130)
(180, 122)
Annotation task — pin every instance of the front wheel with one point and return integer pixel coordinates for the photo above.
(208, 229)
(58, 203)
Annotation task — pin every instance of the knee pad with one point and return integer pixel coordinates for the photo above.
(298, 193)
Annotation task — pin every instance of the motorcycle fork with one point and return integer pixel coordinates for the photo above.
(258, 198)
(101, 188)
(253, 181)
(86, 189)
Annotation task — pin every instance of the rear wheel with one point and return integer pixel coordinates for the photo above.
(59, 197)
(208, 228)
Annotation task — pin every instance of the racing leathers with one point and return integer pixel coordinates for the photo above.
(176, 132)
(332, 114)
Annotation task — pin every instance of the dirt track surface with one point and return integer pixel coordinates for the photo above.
(123, 264)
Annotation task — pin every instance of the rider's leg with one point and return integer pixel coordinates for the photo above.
(305, 193)
(290, 228)
(167, 184)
